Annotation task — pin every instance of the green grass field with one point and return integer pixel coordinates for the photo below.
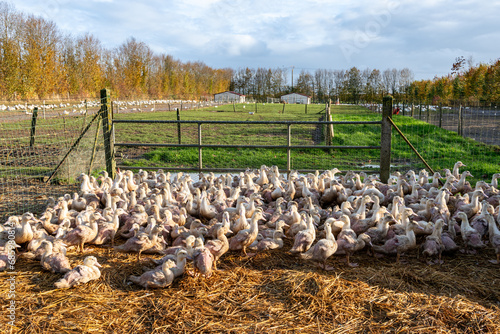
(439, 147)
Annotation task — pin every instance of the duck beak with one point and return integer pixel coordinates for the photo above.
(420, 228)
(98, 265)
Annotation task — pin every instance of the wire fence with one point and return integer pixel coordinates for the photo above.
(32, 148)
(469, 134)
(33, 144)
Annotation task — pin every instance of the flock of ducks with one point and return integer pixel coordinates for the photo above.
(82, 106)
(324, 214)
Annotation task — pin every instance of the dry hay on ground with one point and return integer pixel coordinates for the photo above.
(272, 292)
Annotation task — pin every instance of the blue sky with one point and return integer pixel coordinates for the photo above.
(425, 35)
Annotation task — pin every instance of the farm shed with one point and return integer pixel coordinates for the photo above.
(229, 97)
(296, 98)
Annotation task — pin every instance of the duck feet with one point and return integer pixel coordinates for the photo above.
(353, 265)
(468, 251)
(493, 261)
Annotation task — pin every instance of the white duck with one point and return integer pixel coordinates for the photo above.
(470, 236)
(54, 262)
(399, 243)
(244, 238)
(305, 238)
(433, 244)
(494, 234)
(81, 274)
(156, 278)
(323, 249)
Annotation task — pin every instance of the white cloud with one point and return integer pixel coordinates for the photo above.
(424, 35)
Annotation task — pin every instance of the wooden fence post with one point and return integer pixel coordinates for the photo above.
(385, 140)
(283, 111)
(306, 107)
(33, 126)
(440, 114)
(255, 106)
(420, 111)
(107, 124)
(288, 144)
(428, 113)
(412, 109)
(178, 126)
(330, 126)
(234, 106)
(200, 154)
(460, 119)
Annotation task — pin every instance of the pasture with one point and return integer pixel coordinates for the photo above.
(441, 148)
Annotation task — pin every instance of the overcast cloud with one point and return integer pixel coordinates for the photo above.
(425, 35)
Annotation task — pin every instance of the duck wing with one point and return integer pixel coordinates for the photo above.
(303, 241)
(57, 263)
(152, 279)
(235, 243)
(389, 247)
(432, 247)
(203, 261)
(79, 275)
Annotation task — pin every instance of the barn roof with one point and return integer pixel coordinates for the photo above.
(295, 93)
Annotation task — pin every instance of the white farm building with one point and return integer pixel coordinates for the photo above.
(294, 98)
(229, 97)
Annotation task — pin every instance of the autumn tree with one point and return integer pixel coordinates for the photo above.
(10, 50)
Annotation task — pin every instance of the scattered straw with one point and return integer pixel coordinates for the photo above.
(272, 292)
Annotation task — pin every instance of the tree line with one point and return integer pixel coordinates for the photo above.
(38, 61)
(353, 85)
(467, 83)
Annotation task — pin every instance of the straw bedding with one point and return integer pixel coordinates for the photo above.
(273, 292)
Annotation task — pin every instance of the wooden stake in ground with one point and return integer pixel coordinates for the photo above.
(33, 126)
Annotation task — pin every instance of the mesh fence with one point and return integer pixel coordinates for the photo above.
(444, 135)
(33, 144)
